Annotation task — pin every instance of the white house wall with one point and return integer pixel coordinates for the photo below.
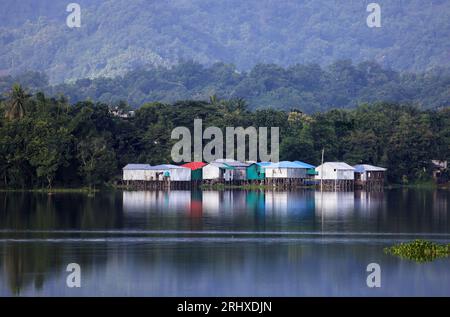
(153, 175)
(133, 175)
(328, 173)
(285, 173)
(296, 173)
(276, 173)
(346, 174)
(180, 174)
(211, 172)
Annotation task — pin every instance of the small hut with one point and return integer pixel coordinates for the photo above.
(285, 174)
(217, 172)
(135, 172)
(336, 176)
(239, 169)
(369, 176)
(172, 173)
(310, 169)
(256, 172)
(438, 169)
(285, 169)
(196, 170)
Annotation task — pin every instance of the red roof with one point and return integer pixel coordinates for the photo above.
(194, 165)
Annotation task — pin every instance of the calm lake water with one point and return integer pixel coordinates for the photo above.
(228, 243)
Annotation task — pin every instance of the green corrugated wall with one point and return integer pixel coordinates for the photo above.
(255, 172)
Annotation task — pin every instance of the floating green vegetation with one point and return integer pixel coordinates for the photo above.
(420, 250)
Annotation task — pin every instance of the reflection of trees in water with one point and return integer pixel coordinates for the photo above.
(25, 211)
(196, 267)
(26, 264)
(416, 210)
(31, 264)
(33, 261)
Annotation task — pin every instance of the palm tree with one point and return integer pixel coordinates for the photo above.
(15, 106)
(213, 99)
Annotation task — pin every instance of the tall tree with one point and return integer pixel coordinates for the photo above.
(15, 105)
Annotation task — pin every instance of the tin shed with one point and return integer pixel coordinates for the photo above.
(172, 172)
(239, 171)
(255, 172)
(218, 171)
(136, 172)
(335, 171)
(285, 169)
(196, 170)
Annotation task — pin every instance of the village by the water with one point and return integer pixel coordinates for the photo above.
(285, 175)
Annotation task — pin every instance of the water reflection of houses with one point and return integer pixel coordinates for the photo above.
(368, 203)
(441, 207)
(211, 202)
(145, 201)
(215, 202)
(334, 204)
(289, 203)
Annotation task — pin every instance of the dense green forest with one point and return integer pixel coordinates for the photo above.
(118, 36)
(48, 142)
(309, 88)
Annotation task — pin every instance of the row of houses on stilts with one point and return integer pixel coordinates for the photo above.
(283, 175)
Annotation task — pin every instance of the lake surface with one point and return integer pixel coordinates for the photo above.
(220, 243)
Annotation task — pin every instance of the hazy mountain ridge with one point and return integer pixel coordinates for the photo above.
(119, 36)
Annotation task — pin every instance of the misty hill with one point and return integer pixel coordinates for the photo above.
(119, 36)
(310, 87)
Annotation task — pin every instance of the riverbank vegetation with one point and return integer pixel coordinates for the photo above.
(420, 250)
(47, 142)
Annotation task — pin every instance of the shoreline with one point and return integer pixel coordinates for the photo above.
(81, 190)
(219, 187)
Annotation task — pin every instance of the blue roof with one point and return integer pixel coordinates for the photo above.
(222, 165)
(264, 163)
(137, 167)
(361, 168)
(286, 164)
(304, 165)
(165, 167)
(231, 162)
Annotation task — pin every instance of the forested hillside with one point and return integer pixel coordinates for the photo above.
(47, 142)
(309, 88)
(119, 36)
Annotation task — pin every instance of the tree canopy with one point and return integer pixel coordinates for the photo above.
(118, 36)
(57, 144)
(309, 88)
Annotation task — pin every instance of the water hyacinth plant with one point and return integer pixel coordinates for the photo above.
(420, 250)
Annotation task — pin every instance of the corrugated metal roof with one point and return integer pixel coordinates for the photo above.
(231, 162)
(264, 164)
(284, 164)
(361, 168)
(337, 166)
(194, 165)
(137, 167)
(222, 165)
(304, 165)
(165, 167)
